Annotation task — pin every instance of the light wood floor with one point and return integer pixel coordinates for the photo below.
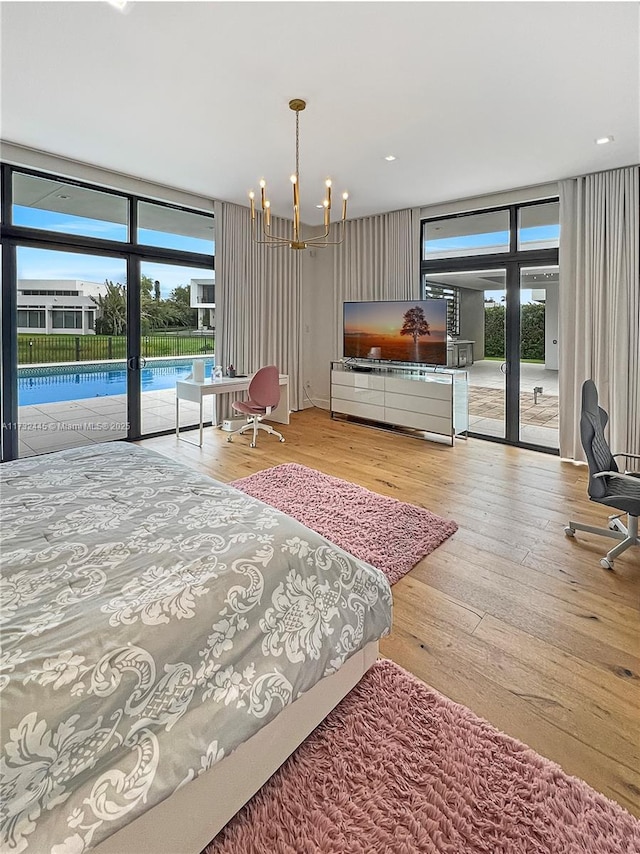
(508, 617)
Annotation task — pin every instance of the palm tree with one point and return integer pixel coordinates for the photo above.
(112, 306)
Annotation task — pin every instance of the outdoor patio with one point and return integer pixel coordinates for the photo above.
(538, 420)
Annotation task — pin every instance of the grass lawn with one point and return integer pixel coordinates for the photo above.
(41, 348)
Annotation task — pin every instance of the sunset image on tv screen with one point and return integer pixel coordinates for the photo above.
(399, 331)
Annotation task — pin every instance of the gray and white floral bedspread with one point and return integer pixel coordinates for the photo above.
(152, 620)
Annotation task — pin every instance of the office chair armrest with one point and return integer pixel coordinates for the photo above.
(629, 457)
(631, 478)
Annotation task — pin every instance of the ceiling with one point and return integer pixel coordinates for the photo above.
(471, 97)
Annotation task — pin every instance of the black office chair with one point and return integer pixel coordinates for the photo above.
(607, 485)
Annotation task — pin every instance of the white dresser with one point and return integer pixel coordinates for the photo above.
(422, 399)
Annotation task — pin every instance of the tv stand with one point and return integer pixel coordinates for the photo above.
(412, 397)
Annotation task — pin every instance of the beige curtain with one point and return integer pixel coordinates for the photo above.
(258, 300)
(379, 260)
(600, 304)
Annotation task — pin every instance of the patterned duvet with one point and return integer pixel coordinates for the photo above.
(152, 620)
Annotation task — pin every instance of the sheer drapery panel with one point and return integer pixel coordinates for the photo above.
(258, 300)
(600, 304)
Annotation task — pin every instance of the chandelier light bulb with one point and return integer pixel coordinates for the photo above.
(263, 183)
(293, 179)
(252, 195)
(328, 182)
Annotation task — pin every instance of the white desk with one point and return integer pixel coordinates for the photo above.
(195, 392)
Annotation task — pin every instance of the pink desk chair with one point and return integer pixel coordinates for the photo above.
(264, 396)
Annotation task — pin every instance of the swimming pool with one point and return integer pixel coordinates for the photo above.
(58, 384)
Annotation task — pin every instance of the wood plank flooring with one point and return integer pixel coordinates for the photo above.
(508, 617)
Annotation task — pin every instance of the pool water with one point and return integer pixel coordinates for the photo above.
(80, 385)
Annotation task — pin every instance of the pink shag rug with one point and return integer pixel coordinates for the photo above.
(389, 534)
(397, 767)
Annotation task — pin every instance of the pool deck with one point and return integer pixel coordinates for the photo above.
(74, 423)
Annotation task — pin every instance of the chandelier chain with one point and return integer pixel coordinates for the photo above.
(298, 145)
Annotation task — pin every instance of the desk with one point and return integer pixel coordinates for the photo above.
(195, 392)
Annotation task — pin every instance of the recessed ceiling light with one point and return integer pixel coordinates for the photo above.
(390, 157)
(120, 5)
(320, 206)
(62, 196)
(603, 140)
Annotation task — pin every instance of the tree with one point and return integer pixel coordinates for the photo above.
(415, 324)
(112, 307)
(181, 301)
(156, 290)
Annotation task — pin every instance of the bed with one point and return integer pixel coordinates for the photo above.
(167, 641)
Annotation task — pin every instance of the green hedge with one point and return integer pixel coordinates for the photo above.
(531, 331)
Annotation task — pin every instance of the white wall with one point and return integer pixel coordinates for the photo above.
(472, 319)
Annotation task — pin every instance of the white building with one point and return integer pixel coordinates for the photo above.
(57, 305)
(203, 297)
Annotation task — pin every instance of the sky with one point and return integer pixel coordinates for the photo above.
(53, 264)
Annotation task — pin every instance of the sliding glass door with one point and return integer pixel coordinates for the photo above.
(72, 350)
(498, 270)
(538, 416)
(177, 325)
(106, 301)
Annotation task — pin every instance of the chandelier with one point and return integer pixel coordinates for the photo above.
(296, 241)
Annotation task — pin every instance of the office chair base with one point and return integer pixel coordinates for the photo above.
(617, 530)
(255, 425)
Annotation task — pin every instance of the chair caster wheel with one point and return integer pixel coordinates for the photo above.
(605, 563)
(228, 438)
(569, 531)
(282, 440)
(252, 445)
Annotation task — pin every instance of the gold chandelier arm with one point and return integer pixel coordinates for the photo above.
(321, 239)
(272, 239)
(270, 236)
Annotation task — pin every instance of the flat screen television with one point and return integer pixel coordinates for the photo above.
(397, 331)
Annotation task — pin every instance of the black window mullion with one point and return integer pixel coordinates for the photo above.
(134, 323)
(512, 354)
(9, 353)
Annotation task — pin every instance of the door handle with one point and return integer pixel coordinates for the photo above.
(503, 367)
(135, 363)
(142, 362)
